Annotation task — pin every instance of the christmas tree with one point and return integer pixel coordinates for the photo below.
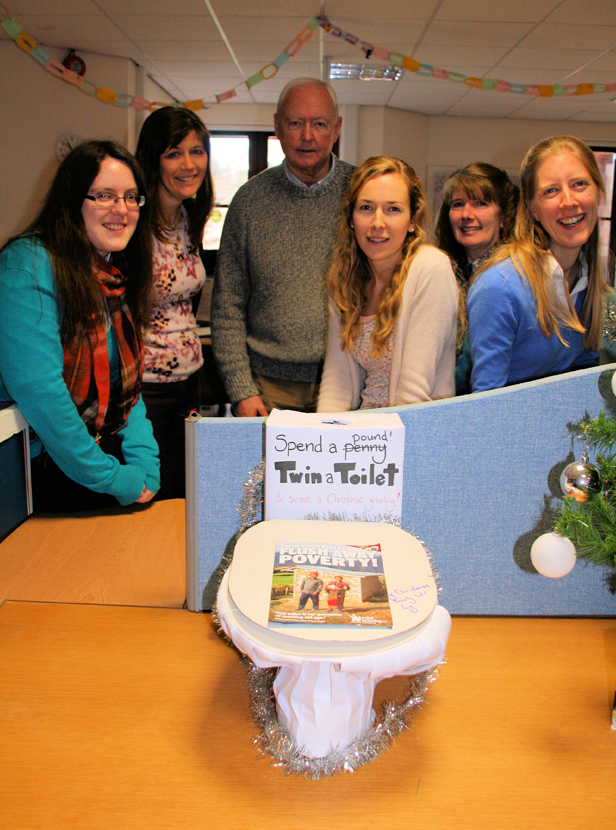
(588, 515)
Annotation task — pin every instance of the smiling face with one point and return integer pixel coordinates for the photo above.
(566, 203)
(110, 229)
(381, 219)
(476, 223)
(307, 128)
(182, 170)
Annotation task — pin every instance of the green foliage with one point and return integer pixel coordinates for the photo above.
(600, 432)
(591, 525)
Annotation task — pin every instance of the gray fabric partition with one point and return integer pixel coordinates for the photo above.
(481, 481)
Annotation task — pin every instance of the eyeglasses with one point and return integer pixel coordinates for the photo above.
(107, 200)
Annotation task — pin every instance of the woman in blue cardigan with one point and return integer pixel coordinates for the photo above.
(535, 307)
(74, 294)
(477, 213)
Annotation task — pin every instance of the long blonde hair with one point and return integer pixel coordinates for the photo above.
(350, 273)
(530, 249)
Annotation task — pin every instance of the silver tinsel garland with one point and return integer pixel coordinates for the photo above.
(274, 739)
(609, 322)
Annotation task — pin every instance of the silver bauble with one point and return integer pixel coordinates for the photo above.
(580, 479)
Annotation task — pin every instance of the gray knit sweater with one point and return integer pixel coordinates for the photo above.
(269, 307)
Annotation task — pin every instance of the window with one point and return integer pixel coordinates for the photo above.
(236, 157)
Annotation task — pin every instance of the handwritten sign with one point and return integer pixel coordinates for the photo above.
(409, 599)
(321, 464)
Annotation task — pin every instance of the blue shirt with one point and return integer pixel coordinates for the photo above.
(507, 345)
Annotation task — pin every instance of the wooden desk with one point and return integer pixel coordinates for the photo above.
(112, 557)
(137, 718)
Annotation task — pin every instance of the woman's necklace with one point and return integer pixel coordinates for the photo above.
(573, 274)
(171, 228)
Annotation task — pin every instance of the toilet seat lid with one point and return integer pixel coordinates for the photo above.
(410, 584)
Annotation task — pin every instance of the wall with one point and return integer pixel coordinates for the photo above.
(371, 130)
(396, 133)
(426, 142)
(37, 109)
(406, 135)
(239, 117)
(481, 484)
(502, 141)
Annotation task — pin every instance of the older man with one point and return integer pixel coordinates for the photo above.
(269, 300)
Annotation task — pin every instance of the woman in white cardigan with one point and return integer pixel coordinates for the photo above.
(393, 298)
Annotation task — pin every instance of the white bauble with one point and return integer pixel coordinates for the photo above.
(553, 555)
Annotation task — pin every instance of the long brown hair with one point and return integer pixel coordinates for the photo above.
(479, 180)
(165, 128)
(530, 249)
(350, 273)
(61, 229)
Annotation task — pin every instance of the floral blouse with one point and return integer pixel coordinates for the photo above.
(172, 347)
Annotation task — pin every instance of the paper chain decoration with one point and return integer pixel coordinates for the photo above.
(122, 99)
(398, 59)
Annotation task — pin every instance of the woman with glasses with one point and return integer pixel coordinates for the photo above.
(74, 294)
(174, 151)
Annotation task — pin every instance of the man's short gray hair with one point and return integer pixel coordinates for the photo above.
(305, 82)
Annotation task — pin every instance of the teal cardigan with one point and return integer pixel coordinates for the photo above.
(31, 364)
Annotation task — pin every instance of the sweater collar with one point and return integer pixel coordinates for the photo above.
(295, 181)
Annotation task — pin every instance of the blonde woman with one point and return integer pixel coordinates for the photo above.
(393, 298)
(535, 307)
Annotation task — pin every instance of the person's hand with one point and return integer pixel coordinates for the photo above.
(146, 496)
(250, 408)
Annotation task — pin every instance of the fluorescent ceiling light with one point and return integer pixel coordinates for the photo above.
(338, 71)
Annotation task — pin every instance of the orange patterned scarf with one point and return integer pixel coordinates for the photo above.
(86, 360)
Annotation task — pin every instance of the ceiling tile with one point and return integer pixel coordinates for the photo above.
(450, 57)
(70, 29)
(529, 41)
(392, 9)
(382, 32)
(524, 57)
(454, 33)
(573, 13)
(159, 27)
(561, 36)
(592, 116)
(20, 8)
(522, 11)
(275, 30)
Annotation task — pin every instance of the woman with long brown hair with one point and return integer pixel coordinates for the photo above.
(74, 296)
(535, 306)
(174, 151)
(393, 298)
(477, 213)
